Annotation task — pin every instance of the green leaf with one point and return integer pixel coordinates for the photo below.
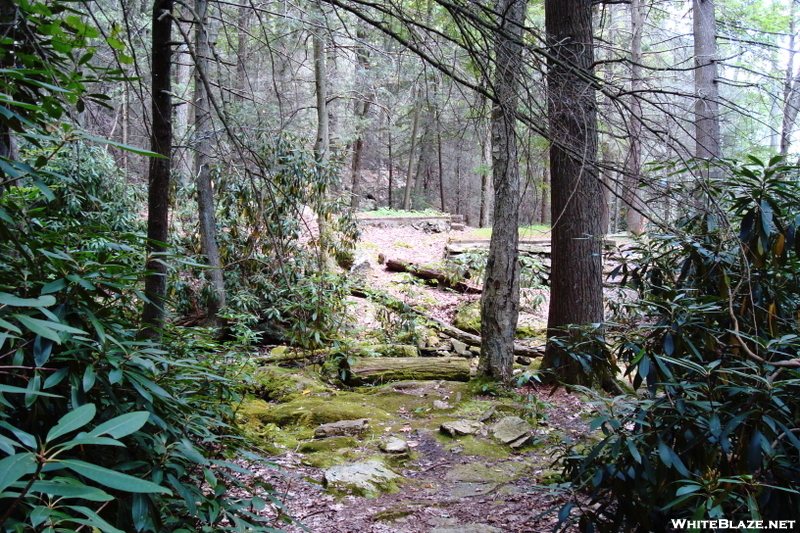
(14, 467)
(686, 489)
(72, 421)
(45, 328)
(122, 425)
(89, 377)
(113, 479)
(70, 490)
(82, 440)
(19, 390)
(14, 301)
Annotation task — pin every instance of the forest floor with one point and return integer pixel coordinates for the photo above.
(447, 484)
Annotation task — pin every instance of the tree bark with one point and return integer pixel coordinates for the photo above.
(155, 282)
(500, 299)
(576, 291)
(707, 132)
(205, 193)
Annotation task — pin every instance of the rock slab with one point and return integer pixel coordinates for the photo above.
(511, 429)
(368, 478)
(393, 445)
(342, 428)
(461, 427)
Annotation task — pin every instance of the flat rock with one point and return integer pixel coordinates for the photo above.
(461, 427)
(393, 445)
(368, 478)
(441, 405)
(342, 428)
(510, 429)
(460, 348)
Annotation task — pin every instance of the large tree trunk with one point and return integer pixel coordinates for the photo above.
(155, 282)
(205, 192)
(500, 299)
(576, 289)
(633, 164)
(706, 108)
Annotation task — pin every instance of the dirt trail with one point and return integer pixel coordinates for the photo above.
(449, 484)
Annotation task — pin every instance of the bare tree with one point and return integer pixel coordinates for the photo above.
(202, 165)
(155, 283)
(500, 298)
(707, 132)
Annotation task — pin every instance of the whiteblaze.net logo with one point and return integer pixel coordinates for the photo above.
(684, 524)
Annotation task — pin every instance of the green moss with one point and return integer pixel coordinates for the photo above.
(311, 411)
(283, 385)
(477, 446)
(468, 318)
(327, 445)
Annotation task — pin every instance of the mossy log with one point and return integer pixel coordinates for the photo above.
(394, 265)
(385, 369)
(281, 354)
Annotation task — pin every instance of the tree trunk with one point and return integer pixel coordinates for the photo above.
(633, 163)
(409, 181)
(361, 112)
(707, 132)
(576, 289)
(183, 163)
(486, 181)
(155, 282)
(242, 52)
(205, 192)
(322, 144)
(500, 299)
(791, 88)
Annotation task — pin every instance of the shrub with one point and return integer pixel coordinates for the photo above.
(712, 430)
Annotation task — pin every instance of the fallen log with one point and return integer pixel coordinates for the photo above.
(451, 331)
(384, 369)
(284, 354)
(473, 340)
(394, 265)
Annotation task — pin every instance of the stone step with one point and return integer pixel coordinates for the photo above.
(457, 226)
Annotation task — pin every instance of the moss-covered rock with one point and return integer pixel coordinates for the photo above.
(327, 445)
(368, 479)
(468, 318)
(277, 384)
(311, 411)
